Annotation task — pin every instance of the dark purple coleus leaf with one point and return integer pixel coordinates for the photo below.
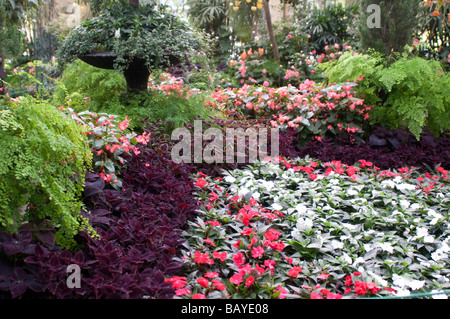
(16, 242)
(18, 283)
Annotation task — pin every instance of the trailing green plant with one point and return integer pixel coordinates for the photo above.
(410, 93)
(148, 32)
(43, 163)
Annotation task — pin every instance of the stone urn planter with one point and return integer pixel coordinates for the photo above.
(142, 38)
(136, 74)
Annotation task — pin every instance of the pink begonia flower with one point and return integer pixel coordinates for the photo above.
(266, 84)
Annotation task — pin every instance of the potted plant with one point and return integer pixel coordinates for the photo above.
(131, 38)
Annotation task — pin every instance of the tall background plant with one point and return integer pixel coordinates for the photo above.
(399, 19)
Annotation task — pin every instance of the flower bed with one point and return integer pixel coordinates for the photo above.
(306, 229)
(314, 111)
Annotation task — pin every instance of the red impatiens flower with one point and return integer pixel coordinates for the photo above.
(198, 296)
(218, 285)
(222, 256)
(211, 274)
(348, 281)
(202, 258)
(272, 234)
(201, 183)
(236, 279)
(257, 252)
(202, 281)
(315, 295)
(250, 280)
(360, 287)
(177, 282)
(182, 292)
(372, 287)
(238, 259)
(295, 271)
(209, 241)
(331, 295)
(323, 276)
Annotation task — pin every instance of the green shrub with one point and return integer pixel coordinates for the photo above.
(42, 167)
(410, 93)
(80, 80)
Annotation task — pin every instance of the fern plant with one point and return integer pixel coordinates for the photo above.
(410, 93)
(80, 81)
(418, 95)
(42, 167)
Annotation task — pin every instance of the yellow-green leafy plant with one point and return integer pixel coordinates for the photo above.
(43, 163)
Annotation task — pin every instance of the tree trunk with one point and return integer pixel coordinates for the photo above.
(2, 75)
(276, 53)
(135, 2)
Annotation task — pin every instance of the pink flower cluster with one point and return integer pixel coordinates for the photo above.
(321, 110)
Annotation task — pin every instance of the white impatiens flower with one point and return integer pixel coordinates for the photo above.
(358, 260)
(386, 247)
(229, 179)
(441, 253)
(404, 204)
(335, 244)
(406, 186)
(352, 192)
(277, 206)
(378, 279)
(416, 284)
(400, 281)
(347, 258)
(387, 183)
(243, 191)
(350, 227)
(404, 282)
(422, 231)
(301, 209)
(304, 224)
(436, 216)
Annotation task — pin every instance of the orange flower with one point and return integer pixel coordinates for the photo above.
(436, 13)
(428, 3)
(244, 55)
(448, 17)
(249, 52)
(261, 51)
(232, 62)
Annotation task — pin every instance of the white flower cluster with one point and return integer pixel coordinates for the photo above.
(390, 229)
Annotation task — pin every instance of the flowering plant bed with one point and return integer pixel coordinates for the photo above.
(314, 111)
(306, 229)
